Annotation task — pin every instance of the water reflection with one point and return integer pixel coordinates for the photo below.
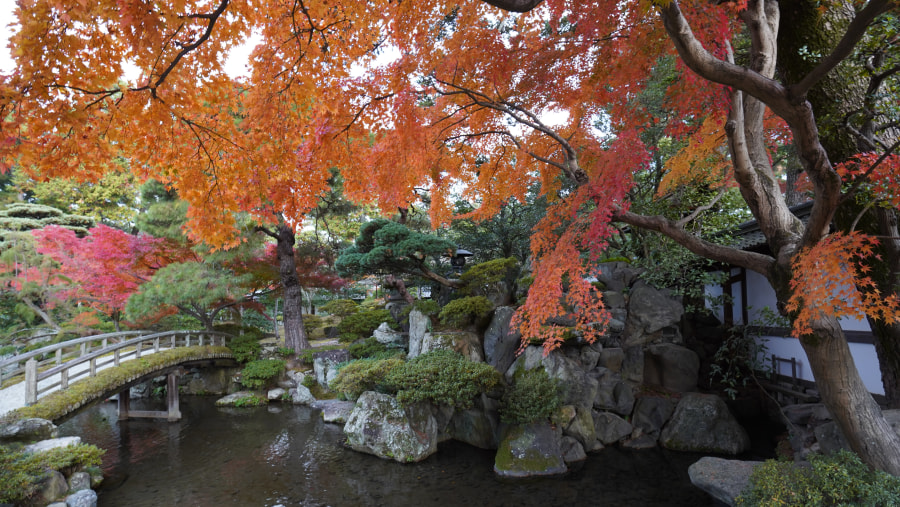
(288, 456)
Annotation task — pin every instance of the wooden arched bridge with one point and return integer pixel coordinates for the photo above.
(54, 367)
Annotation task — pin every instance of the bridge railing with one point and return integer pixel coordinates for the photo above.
(100, 351)
(58, 353)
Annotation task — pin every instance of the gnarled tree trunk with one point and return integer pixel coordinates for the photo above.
(295, 337)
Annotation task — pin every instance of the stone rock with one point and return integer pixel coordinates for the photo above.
(275, 394)
(83, 498)
(633, 364)
(572, 450)
(831, 439)
(231, 399)
(387, 336)
(529, 451)
(611, 428)
(671, 366)
(141, 390)
(419, 324)
(52, 443)
(79, 481)
(501, 342)
(614, 395)
(379, 425)
(579, 388)
(616, 276)
(723, 479)
(296, 377)
(335, 411)
(702, 423)
(611, 359)
(639, 441)
(651, 414)
(589, 356)
(301, 395)
(466, 343)
(614, 299)
(325, 364)
(28, 430)
(478, 426)
(51, 487)
(54, 504)
(652, 314)
(564, 415)
(582, 429)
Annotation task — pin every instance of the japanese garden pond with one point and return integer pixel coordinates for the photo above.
(286, 455)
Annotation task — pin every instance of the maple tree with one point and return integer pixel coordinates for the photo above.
(465, 104)
(107, 265)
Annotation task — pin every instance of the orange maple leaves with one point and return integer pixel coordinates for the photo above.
(832, 279)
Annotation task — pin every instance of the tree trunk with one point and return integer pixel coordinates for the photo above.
(294, 331)
(41, 313)
(847, 399)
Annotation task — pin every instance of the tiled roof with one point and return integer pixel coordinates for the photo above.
(747, 236)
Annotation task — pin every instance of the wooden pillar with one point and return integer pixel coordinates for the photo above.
(172, 396)
(124, 402)
(30, 382)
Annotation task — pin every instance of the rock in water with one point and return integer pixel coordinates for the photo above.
(723, 479)
(379, 425)
(530, 450)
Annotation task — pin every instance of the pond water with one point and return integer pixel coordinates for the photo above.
(286, 455)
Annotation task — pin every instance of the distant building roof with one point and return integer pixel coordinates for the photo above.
(748, 236)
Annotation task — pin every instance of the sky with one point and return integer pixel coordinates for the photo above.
(235, 64)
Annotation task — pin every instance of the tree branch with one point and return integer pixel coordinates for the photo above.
(514, 5)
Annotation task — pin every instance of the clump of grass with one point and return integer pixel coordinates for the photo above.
(22, 472)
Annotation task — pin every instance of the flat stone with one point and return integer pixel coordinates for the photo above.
(53, 443)
(28, 430)
(335, 411)
(275, 394)
(530, 450)
(723, 479)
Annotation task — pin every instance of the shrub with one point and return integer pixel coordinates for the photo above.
(362, 324)
(251, 401)
(340, 307)
(482, 276)
(245, 348)
(532, 397)
(309, 381)
(837, 479)
(357, 377)
(441, 377)
(428, 307)
(23, 471)
(257, 374)
(284, 351)
(367, 348)
(462, 312)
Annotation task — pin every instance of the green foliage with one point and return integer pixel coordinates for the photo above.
(257, 374)
(284, 351)
(505, 234)
(462, 312)
(481, 277)
(340, 307)
(250, 401)
(245, 348)
(532, 397)
(306, 356)
(441, 377)
(838, 479)
(309, 381)
(22, 472)
(742, 353)
(357, 377)
(366, 348)
(362, 324)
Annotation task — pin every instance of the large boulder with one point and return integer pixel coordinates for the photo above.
(325, 364)
(611, 428)
(616, 396)
(671, 366)
(82, 498)
(702, 423)
(387, 336)
(582, 429)
(51, 487)
(478, 426)
(579, 388)
(501, 342)
(236, 399)
(419, 324)
(379, 425)
(466, 343)
(529, 451)
(723, 479)
(28, 430)
(651, 414)
(653, 315)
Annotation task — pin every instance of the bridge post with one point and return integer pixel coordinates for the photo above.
(30, 382)
(172, 396)
(124, 403)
